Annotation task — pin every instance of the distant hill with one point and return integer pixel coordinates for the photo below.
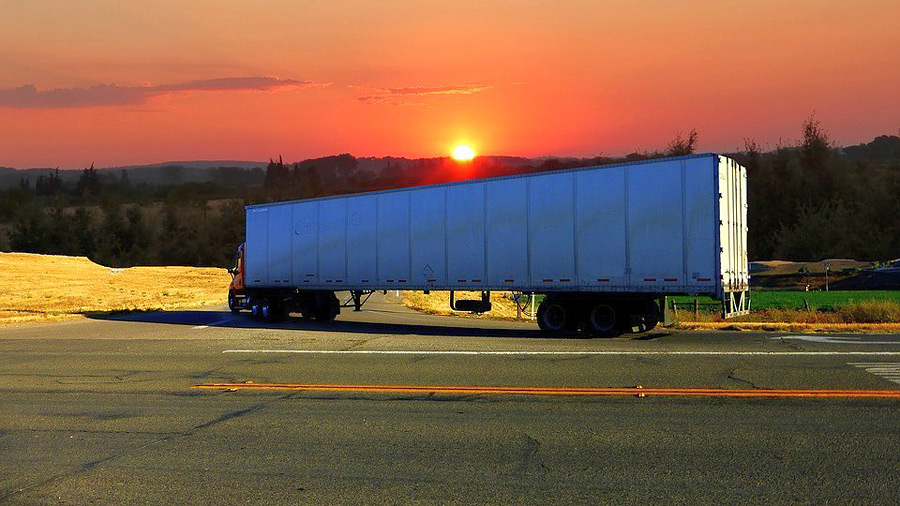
(882, 148)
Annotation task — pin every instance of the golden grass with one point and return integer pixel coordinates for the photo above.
(52, 287)
(438, 302)
(870, 328)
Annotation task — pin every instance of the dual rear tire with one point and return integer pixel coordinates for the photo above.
(598, 318)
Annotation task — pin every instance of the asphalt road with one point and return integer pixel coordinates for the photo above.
(102, 411)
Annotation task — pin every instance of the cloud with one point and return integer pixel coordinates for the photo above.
(402, 95)
(29, 97)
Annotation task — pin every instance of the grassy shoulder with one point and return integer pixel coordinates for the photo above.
(53, 287)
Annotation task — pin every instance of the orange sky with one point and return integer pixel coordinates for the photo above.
(116, 83)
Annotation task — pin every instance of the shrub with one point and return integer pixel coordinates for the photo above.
(871, 311)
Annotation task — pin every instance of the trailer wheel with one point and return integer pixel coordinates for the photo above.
(552, 316)
(265, 310)
(601, 321)
(255, 308)
(328, 309)
(232, 303)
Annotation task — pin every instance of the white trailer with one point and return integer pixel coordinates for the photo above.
(602, 243)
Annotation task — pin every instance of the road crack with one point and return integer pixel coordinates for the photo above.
(89, 466)
(528, 461)
(734, 377)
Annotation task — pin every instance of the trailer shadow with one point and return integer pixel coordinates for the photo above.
(225, 319)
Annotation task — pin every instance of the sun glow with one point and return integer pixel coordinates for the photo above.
(463, 153)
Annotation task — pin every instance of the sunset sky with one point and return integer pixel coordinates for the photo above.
(120, 82)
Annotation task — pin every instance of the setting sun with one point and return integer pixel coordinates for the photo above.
(463, 153)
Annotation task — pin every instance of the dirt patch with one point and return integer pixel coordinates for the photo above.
(53, 287)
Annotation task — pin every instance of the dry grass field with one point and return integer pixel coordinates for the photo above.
(438, 302)
(51, 287)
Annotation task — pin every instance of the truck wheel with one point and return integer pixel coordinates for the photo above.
(552, 316)
(601, 321)
(265, 310)
(232, 303)
(255, 308)
(328, 311)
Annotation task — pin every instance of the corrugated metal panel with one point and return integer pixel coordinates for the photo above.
(465, 236)
(735, 275)
(655, 227)
(602, 245)
(646, 227)
(332, 247)
(507, 233)
(551, 219)
(256, 249)
(305, 243)
(392, 235)
(428, 243)
(362, 249)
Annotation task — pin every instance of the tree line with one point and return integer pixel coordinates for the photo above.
(808, 200)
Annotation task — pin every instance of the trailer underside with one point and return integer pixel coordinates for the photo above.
(598, 314)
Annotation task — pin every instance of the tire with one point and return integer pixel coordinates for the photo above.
(255, 309)
(265, 310)
(328, 311)
(601, 321)
(232, 303)
(552, 316)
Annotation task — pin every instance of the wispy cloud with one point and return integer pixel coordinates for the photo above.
(402, 95)
(29, 97)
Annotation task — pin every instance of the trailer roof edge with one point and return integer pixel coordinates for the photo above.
(485, 180)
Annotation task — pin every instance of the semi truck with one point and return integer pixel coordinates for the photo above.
(603, 245)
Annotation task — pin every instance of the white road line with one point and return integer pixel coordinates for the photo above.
(574, 353)
(887, 370)
(213, 324)
(834, 339)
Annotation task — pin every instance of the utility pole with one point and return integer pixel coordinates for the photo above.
(826, 276)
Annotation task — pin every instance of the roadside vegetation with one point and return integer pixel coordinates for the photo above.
(875, 310)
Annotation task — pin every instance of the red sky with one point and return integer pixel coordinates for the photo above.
(116, 83)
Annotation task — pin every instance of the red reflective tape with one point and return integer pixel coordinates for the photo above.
(565, 280)
(671, 279)
(704, 279)
(649, 279)
(401, 281)
(509, 280)
(548, 280)
(460, 280)
(603, 280)
(390, 281)
(432, 280)
(365, 281)
(476, 281)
